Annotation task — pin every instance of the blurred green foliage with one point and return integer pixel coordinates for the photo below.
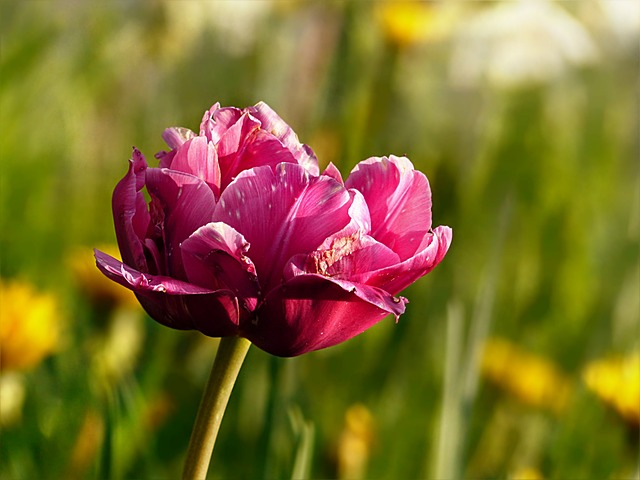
(538, 179)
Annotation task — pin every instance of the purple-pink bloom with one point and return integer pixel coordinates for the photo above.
(244, 236)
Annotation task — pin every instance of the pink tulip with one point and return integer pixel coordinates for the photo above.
(243, 236)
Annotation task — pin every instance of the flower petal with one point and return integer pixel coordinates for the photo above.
(130, 214)
(333, 172)
(359, 220)
(397, 277)
(311, 312)
(181, 204)
(351, 258)
(232, 141)
(282, 213)
(272, 123)
(198, 157)
(216, 121)
(214, 255)
(174, 138)
(174, 303)
(399, 200)
(259, 148)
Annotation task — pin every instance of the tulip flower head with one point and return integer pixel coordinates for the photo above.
(244, 236)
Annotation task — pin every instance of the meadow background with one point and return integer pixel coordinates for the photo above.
(518, 357)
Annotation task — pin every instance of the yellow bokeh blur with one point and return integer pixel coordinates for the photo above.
(534, 380)
(29, 325)
(406, 23)
(617, 382)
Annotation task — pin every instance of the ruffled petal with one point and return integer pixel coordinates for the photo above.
(399, 200)
(283, 213)
(130, 214)
(214, 256)
(174, 303)
(182, 203)
(311, 312)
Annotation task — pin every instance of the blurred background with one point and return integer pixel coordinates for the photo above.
(518, 357)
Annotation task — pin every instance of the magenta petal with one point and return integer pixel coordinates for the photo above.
(396, 278)
(130, 214)
(174, 303)
(216, 121)
(282, 213)
(184, 203)
(272, 123)
(214, 255)
(311, 312)
(260, 148)
(359, 221)
(198, 157)
(333, 172)
(399, 200)
(351, 258)
(175, 137)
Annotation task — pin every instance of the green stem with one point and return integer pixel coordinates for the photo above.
(226, 366)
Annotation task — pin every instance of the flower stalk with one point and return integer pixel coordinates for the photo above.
(226, 366)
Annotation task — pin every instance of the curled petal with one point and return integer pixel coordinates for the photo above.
(282, 213)
(397, 277)
(214, 255)
(130, 214)
(311, 312)
(399, 200)
(183, 203)
(174, 303)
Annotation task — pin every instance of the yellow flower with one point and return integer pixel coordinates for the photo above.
(29, 325)
(410, 22)
(532, 379)
(617, 382)
(94, 284)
